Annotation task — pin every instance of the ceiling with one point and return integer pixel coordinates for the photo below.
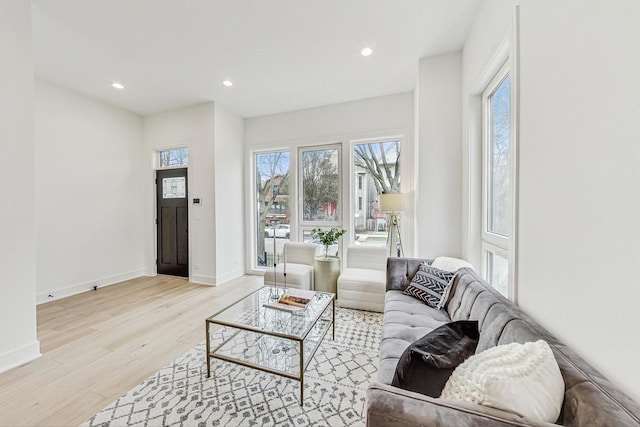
(281, 55)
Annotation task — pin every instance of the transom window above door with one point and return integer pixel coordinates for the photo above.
(175, 157)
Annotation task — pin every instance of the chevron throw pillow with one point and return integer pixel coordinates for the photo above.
(430, 284)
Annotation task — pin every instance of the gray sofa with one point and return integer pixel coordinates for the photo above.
(590, 399)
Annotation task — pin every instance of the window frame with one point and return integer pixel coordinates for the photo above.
(252, 253)
(158, 159)
(406, 173)
(495, 239)
(492, 242)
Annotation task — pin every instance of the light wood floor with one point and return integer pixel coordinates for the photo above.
(98, 345)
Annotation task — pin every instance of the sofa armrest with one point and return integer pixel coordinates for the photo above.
(400, 271)
(390, 406)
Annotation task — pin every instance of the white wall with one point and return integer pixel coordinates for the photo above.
(229, 195)
(438, 168)
(193, 127)
(18, 342)
(390, 115)
(579, 204)
(88, 192)
(367, 116)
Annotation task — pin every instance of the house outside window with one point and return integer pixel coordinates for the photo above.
(271, 192)
(377, 166)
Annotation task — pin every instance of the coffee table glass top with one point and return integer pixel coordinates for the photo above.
(250, 314)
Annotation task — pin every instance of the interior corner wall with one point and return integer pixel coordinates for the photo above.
(88, 192)
(578, 174)
(193, 127)
(18, 343)
(229, 195)
(439, 170)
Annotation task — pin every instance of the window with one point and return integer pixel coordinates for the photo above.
(320, 185)
(497, 268)
(376, 165)
(497, 170)
(175, 157)
(272, 205)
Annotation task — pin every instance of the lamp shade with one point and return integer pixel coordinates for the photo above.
(393, 202)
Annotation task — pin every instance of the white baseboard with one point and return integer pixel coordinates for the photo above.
(19, 356)
(87, 286)
(203, 280)
(217, 280)
(229, 276)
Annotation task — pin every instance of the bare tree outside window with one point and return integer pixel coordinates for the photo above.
(382, 161)
(497, 186)
(174, 157)
(320, 186)
(499, 203)
(377, 167)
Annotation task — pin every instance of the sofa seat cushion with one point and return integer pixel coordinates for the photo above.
(362, 289)
(405, 320)
(299, 276)
(399, 303)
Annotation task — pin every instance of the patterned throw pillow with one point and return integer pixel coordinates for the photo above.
(430, 284)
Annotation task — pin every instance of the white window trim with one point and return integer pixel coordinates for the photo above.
(158, 150)
(406, 172)
(254, 268)
(507, 53)
(345, 141)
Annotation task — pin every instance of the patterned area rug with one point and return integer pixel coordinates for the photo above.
(180, 394)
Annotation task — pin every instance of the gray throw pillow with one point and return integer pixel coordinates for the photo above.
(429, 285)
(426, 365)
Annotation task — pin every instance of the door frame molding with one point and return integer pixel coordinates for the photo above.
(154, 214)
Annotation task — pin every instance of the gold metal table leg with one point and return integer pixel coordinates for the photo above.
(208, 349)
(301, 372)
(333, 322)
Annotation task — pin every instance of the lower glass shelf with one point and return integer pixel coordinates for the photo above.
(270, 353)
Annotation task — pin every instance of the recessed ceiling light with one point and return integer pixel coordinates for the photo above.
(117, 85)
(227, 83)
(367, 51)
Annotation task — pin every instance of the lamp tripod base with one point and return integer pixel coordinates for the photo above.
(394, 241)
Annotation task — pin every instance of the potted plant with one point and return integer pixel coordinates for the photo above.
(328, 238)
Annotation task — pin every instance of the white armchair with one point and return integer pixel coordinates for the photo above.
(299, 259)
(362, 284)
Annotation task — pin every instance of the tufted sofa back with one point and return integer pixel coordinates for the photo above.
(590, 398)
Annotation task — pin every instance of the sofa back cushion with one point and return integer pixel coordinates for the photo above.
(462, 296)
(400, 271)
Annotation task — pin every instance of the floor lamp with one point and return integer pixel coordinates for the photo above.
(394, 203)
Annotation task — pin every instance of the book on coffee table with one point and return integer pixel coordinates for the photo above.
(293, 300)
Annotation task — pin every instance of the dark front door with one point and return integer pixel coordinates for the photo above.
(172, 223)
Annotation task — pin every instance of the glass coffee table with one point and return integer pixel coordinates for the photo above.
(271, 340)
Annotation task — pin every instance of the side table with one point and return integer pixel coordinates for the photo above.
(326, 272)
